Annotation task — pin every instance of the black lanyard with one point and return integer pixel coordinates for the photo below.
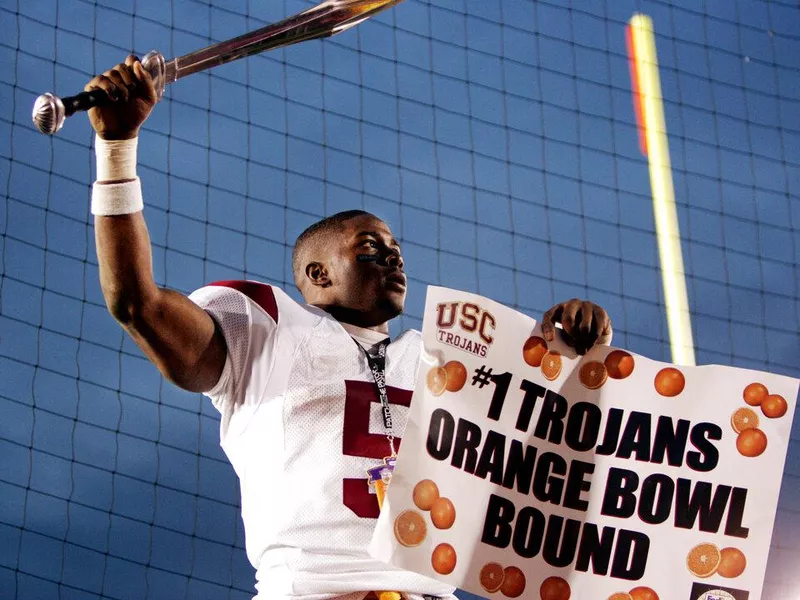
(377, 365)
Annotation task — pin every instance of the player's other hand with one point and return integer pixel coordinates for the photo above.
(132, 94)
(584, 324)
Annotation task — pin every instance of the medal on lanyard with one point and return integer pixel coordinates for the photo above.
(378, 478)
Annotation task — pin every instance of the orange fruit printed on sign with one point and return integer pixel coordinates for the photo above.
(410, 529)
(491, 576)
(703, 560)
(456, 375)
(774, 406)
(669, 382)
(744, 418)
(513, 582)
(437, 380)
(619, 364)
(755, 393)
(643, 593)
(751, 442)
(443, 559)
(425, 492)
(534, 350)
(593, 374)
(732, 563)
(443, 513)
(555, 588)
(551, 365)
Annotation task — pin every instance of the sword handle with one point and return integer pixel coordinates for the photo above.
(50, 111)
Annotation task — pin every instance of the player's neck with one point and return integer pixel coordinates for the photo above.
(368, 338)
(357, 318)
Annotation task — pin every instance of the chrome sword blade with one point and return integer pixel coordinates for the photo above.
(324, 20)
(320, 21)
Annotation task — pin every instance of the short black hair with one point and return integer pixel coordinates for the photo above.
(320, 229)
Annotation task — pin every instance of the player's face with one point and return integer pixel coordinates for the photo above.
(368, 270)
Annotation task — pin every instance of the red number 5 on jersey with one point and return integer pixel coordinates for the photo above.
(358, 441)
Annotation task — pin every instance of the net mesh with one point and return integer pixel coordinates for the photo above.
(496, 137)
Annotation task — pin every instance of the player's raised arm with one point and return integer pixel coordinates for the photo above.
(179, 337)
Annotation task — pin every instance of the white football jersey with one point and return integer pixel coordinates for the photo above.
(301, 424)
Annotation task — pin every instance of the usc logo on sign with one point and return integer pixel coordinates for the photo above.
(469, 317)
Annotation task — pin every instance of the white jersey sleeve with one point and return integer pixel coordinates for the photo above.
(261, 325)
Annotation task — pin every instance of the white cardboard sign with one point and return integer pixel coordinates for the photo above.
(528, 471)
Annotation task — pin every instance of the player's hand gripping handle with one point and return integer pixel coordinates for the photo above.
(49, 111)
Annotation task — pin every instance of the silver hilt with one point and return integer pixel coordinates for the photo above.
(50, 111)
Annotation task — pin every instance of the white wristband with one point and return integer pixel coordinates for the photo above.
(116, 163)
(110, 199)
(116, 159)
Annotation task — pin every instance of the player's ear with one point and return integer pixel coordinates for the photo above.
(317, 274)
